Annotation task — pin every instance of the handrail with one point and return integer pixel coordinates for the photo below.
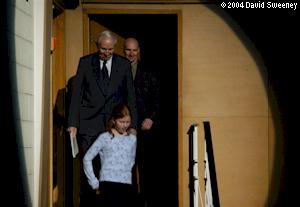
(211, 185)
(210, 179)
(193, 166)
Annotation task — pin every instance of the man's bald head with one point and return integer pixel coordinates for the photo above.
(131, 49)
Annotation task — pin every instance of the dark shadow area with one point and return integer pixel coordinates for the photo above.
(14, 184)
(272, 38)
(62, 152)
(157, 34)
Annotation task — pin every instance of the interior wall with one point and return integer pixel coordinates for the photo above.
(220, 82)
(74, 40)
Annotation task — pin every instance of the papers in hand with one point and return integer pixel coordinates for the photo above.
(74, 145)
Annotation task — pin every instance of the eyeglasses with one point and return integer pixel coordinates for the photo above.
(106, 49)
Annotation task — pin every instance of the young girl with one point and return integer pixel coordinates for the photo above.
(117, 150)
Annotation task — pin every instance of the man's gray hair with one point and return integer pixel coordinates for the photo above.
(107, 34)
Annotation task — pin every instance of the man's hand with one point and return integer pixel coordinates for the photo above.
(147, 124)
(72, 131)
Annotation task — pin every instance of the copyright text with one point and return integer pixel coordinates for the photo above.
(260, 5)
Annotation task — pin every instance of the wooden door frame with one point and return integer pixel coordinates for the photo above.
(58, 84)
(86, 38)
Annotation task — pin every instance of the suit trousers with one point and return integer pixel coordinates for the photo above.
(147, 168)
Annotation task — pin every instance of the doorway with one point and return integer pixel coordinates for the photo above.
(158, 38)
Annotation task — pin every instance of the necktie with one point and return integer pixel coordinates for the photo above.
(104, 71)
(105, 78)
(133, 69)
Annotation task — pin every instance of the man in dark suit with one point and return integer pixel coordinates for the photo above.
(146, 86)
(103, 80)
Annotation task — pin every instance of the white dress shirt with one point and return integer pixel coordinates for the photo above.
(108, 65)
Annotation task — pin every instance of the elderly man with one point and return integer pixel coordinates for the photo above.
(103, 80)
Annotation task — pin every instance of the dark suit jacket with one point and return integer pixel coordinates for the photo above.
(90, 105)
(147, 93)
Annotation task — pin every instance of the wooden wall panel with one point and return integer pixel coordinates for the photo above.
(58, 108)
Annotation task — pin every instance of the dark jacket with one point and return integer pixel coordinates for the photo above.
(90, 105)
(147, 88)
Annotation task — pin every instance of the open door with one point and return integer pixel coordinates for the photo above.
(62, 169)
(158, 38)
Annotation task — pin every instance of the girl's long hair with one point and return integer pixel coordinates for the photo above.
(118, 112)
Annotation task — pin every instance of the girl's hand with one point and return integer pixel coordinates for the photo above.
(97, 191)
